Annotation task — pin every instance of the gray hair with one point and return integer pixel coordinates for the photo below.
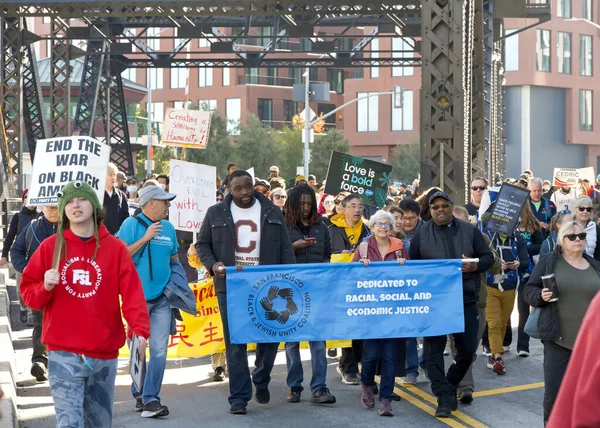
(381, 215)
(462, 211)
(113, 167)
(277, 191)
(536, 180)
(583, 201)
(567, 229)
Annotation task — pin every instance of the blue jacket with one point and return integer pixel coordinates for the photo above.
(179, 294)
(29, 240)
(509, 279)
(549, 244)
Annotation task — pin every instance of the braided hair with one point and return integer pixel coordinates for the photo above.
(292, 208)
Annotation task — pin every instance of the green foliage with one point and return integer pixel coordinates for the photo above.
(255, 147)
(321, 150)
(291, 151)
(406, 160)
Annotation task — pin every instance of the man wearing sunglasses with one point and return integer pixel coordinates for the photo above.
(542, 208)
(446, 237)
(478, 187)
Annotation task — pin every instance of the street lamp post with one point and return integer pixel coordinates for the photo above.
(584, 20)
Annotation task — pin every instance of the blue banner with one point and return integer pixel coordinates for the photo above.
(339, 301)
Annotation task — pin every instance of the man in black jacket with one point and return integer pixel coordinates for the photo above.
(27, 242)
(115, 202)
(446, 237)
(245, 229)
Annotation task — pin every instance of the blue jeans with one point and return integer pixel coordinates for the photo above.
(412, 356)
(295, 374)
(240, 386)
(160, 328)
(82, 397)
(386, 349)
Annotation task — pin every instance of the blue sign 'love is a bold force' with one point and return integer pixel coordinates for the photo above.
(339, 301)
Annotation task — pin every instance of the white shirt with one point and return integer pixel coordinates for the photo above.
(564, 202)
(247, 231)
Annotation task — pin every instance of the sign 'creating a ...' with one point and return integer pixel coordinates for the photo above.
(186, 128)
(194, 184)
(63, 159)
(507, 209)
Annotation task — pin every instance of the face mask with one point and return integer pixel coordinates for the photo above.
(132, 189)
(162, 186)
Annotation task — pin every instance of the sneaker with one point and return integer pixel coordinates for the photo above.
(443, 410)
(30, 320)
(499, 366)
(237, 409)
(490, 362)
(385, 407)
(332, 353)
(367, 397)
(293, 395)
(262, 396)
(396, 397)
(348, 378)
(375, 389)
(409, 379)
(486, 352)
(23, 316)
(38, 371)
(154, 410)
(219, 375)
(322, 396)
(139, 405)
(506, 348)
(523, 354)
(466, 397)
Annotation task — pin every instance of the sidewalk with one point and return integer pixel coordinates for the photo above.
(8, 404)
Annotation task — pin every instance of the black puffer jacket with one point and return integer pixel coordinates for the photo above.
(549, 323)
(320, 251)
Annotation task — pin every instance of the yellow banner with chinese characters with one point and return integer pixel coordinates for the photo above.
(202, 335)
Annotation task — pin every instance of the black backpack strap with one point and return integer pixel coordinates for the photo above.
(146, 245)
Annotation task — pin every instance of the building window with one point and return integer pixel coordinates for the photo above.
(295, 75)
(402, 44)
(235, 31)
(374, 54)
(153, 44)
(48, 48)
(207, 105)
(45, 20)
(586, 12)
(203, 43)
(265, 111)
(585, 55)
(542, 51)
(289, 111)
(261, 32)
(585, 110)
(233, 113)
(251, 76)
(305, 44)
(156, 78)
(313, 74)
(271, 76)
(564, 8)
(402, 118)
(205, 77)
(129, 74)
(226, 76)
(368, 113)
(335, 77)
(564, 53)
(323, 108)
(511, 51)
(178, 77)
(158, 112)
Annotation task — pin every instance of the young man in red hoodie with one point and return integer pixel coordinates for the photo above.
(79, 292)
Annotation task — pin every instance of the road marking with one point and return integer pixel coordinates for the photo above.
(508, 389)
(458, 415)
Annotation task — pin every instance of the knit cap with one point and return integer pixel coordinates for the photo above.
(72, 190)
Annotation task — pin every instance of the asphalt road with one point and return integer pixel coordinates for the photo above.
(513, 400)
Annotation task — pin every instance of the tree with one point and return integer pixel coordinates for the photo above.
(291, 151)
(406, 160)
(256, 147)
(321, 152)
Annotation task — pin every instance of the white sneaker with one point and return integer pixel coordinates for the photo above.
(506, 348)
(523, 354)
(486, 352)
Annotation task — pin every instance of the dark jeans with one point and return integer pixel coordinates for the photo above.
(507, 337)
(40, 353)
(524, 308)
(240, 386)
(387, 350)
(556, 359)
(351, 357)
(444, 385)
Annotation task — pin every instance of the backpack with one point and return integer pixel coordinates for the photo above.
(146, 245)
(29, 236)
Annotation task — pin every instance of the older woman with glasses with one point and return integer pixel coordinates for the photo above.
(576, 277)
(380, 246)
(583, 216)
(278, 197)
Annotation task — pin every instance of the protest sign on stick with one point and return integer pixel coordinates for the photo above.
(195, 187)
(507, 209)
(63, 159)
(186, 128)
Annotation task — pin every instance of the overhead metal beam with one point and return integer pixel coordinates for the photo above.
(60, 73)
(275, 62)
(478, 146)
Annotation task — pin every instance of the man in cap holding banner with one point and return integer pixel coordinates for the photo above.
(446, 237)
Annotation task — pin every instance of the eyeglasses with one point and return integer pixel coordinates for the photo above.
(279, 196)
(439, 207)
(409, 218)
(474, 188)
(573, 236)
(328, 203)
(582, 209)
(264, 192)
(338, 202)
(383, 225)
(219, 199)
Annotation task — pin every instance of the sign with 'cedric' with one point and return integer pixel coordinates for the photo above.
(329, 301)
(63, 159)
(358, 175)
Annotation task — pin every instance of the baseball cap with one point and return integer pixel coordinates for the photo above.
(440, 195)
(121, 175)
(312, 177)
(265, 183)
(132, 180)
(154, 193)
(274, 168)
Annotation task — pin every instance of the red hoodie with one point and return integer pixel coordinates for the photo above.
(82, 314)
(579, 396)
